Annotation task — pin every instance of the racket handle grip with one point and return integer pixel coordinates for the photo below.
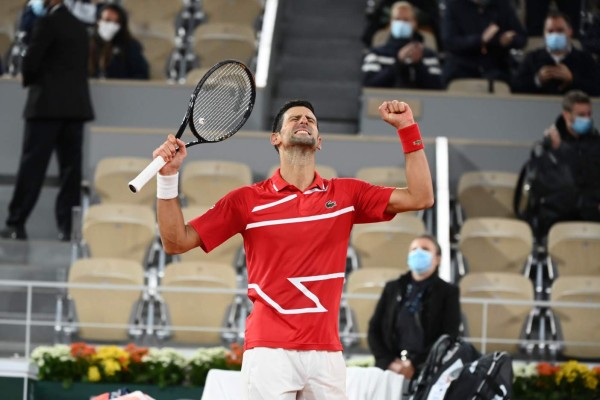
(148, 173)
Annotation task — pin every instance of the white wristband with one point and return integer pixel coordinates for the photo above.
(167, 186)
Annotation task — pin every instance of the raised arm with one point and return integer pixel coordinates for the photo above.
(176, 236)
(418, 194)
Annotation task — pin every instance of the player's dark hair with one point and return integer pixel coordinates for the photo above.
(278, 121)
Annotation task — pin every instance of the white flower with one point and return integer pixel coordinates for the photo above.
(524, 370)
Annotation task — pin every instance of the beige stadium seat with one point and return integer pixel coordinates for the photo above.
(155, 16)
(383, 176)
(326, 171)
(369, 281)
(574, 248)
(504, 321)
(496, 244)
(385, 244)
(198, 310)
(97, 306)
(214, 42)
(226, 253)
(478, 85)
(119, 231)
(194, 75)
(9, 14)
(204, 182)
(243, 12)
(157, 49)
(578, 324)
(487, 193)
(112, 177)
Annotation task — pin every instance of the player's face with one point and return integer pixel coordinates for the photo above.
(300, 128)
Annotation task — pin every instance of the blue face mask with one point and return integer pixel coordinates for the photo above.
(401, 29)
(582, 125)
(419, 261)
(37, 6)
(556, 41)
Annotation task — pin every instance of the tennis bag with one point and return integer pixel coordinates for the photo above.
(447, 354)
(489, 378)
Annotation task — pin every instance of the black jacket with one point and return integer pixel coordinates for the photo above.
(586, 73)
(127, 62)
(462, 28)
(381, 67)
(55, 69)
(440, 314)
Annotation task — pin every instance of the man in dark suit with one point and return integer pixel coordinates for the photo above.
(58, 103)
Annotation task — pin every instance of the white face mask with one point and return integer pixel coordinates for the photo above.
(107, 30)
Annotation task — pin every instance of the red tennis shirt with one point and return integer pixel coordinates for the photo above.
(296, 244)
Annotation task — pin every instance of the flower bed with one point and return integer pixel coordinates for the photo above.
(567, 381)
(164, 367)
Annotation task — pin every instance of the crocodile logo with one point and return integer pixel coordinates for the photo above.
(330, 204)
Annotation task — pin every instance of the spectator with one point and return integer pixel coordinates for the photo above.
(58, 103)
(31, 12)
(403, 62)
(478, 36)
(413, 312)
(574, 141)
(558, 67)
(114, 52)
(535, 10)
(379, 16)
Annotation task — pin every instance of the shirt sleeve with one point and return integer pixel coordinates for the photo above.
(223, 220)
(370, 201)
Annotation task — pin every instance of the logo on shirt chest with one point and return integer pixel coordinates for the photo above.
(330, 204)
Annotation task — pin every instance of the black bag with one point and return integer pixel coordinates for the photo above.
(550, 188)
(489, 378)
(446, 354)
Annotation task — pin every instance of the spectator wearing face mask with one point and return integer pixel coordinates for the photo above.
(478, 36)
(413, 312)
(403, 61)
(114, 52)
(558, 67)
(574, 141)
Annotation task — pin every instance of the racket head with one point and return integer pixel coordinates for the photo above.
(221, 102)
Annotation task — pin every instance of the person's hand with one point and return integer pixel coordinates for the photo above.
(407, 369)
(560, 72)
(411, 53)
(554, 136)
(396, 113)
(507, 37)
(489, 33)
(395, 366)
(168, 151)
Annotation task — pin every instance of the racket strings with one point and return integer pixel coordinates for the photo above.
(222, 102)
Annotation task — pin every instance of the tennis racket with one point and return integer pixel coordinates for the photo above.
(219, 106)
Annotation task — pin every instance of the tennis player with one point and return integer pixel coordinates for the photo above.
(296, 227)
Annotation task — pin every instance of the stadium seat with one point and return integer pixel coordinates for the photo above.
(496, 245)
(227, 253)
(154, 16)
(326, 171)
(504, 321)
(112, 177)
(157, 49)
(204, 182)
(97, 306)
(574, 248)
(9, 14)
(578, 324)
(478, 85)
(370, 281)
(123, 231)
(384, 176)
(487, 194)
(194, 75)
(214, 42)
(385, 244)
(213, 315)
(242, 12)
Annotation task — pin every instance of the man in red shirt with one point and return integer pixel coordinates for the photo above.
(296, 227)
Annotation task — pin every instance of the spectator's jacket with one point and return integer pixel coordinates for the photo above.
(586, 73)
(440, 314)
(463, 25)
(381, 67)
